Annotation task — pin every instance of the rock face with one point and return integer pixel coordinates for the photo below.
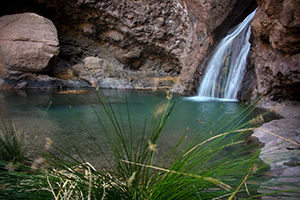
(138, 40)
(29, 43)
(145, 41)
(281, 151)
(141, 40)
(209, 22)
(276, 50)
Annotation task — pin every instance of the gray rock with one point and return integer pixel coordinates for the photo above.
(282, 152)
(91, 70)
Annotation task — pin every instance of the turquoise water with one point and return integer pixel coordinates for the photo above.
(61, 125)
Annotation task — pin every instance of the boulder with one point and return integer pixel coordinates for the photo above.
(29, 43)
(90, 70)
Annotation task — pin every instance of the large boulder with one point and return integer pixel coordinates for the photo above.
(29, 43)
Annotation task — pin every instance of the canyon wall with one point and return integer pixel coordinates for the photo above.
(134, 44)
(275, 61)
(151, 44)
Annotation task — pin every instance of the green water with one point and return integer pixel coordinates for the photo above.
(61, 125)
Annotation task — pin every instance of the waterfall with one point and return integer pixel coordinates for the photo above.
(227, 66)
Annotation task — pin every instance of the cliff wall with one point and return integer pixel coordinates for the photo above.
(149, 44)
(144, 44)
(275, 61)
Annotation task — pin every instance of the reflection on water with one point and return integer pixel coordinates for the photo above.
(62, 126)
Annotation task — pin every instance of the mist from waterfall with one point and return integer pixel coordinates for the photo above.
(227, 66)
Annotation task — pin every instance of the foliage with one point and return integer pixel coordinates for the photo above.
(11, 142)
(201, 169)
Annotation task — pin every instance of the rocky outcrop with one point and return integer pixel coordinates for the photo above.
(276, 50)
(210, 21)
(144, 39)
(281, 139)
(278, 23)
(138, 40)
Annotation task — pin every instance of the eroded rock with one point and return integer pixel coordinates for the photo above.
(28, 42)
(276, 50)
(147, 39)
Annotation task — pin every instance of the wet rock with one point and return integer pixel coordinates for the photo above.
(209, 22)
(4, 85)
(113, 83)
(20, 86)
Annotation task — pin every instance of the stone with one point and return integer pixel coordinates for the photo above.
(115, 35)
(113, 83)
(160, 21)
(209, 22)
(79, 70)
(281, 140)
(179, 34)
(20, 86)
(28, 42)
(276, 50)
(127, 56)
(90, 70)
(4, 85)
(93, 63)
(88, 28)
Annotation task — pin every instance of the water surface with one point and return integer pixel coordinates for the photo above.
(62, 126)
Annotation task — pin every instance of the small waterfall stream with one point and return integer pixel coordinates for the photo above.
(226, 68)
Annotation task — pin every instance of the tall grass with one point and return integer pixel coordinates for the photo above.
(204, 168)
(201, 169)
(11, 142)
(13, 147)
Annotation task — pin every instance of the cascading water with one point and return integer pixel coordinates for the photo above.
(226, 68)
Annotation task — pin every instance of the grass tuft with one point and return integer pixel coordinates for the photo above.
(12, 148)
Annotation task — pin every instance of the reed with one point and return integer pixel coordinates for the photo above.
(201, 168)
(11, 142)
